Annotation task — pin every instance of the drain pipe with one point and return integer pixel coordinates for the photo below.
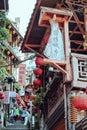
(65, 107)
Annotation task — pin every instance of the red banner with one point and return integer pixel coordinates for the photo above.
(21, 76)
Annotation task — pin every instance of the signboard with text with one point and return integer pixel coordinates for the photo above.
(21, 75)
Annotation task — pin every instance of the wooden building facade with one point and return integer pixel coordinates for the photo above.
(68, 79)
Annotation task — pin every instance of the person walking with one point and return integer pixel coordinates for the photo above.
(11, 115)
(23, 114)
(16, 113)
(27, 117)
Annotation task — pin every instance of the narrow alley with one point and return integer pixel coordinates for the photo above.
(43, 74)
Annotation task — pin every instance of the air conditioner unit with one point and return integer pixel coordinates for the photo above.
(4, 5)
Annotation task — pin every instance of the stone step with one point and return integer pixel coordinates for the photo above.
(18, 125)
(16, 128)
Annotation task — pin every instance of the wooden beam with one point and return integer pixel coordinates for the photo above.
(47, 13)
(48, 61)
(33, 19)
(77, 41)
(37, 53)
(67, 52)
(76, 19)
(59, 68)
(32, 45)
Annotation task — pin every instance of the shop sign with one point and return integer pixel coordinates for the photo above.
(21, 75)
(6, 97)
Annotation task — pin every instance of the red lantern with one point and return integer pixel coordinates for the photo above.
(80, 102)
(9, 26)
(8, 52)
(12, 57)
(2, 97)
(32, 98)
(38, 71)
(37, 82)
(1, 93)
(39, 61)
(13, 32)
(46, 38)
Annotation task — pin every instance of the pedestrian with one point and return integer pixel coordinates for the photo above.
(16, 113)
(27, 117)
(11, 115)
(23, 114)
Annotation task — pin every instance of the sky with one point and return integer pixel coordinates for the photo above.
(22, 9)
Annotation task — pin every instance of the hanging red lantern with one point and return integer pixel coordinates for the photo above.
(46, 38)
(37, 82)
(13, 32)
(12, 57)
(32, 98)
(9, 26)
(2, 97)
(38, 71)
(39, 61)
(80, 102)
(1, 93)
(8, 52)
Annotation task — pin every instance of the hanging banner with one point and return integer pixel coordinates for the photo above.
(6, 97)
(21, 75)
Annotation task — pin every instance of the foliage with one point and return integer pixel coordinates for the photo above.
(4, 33)
(38, 98)
(16, 86)
(3, 72)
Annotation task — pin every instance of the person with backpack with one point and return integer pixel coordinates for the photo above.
(23, 114)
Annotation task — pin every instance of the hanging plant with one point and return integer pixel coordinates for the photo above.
(3, 72)
(4, 32)
(17, 86)
(38, 98)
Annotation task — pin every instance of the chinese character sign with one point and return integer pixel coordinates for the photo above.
(6, 97)
(21, 76)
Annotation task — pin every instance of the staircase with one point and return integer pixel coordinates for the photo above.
(18, 125)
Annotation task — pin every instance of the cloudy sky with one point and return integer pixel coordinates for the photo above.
(22, 9)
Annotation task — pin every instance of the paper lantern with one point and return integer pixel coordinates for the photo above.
(39, 61)
(80, 102)
(1, 93)
(2, 97)
(8, 52)
(32, 98)
(37, 82)
(12, 57)
(38, 71)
